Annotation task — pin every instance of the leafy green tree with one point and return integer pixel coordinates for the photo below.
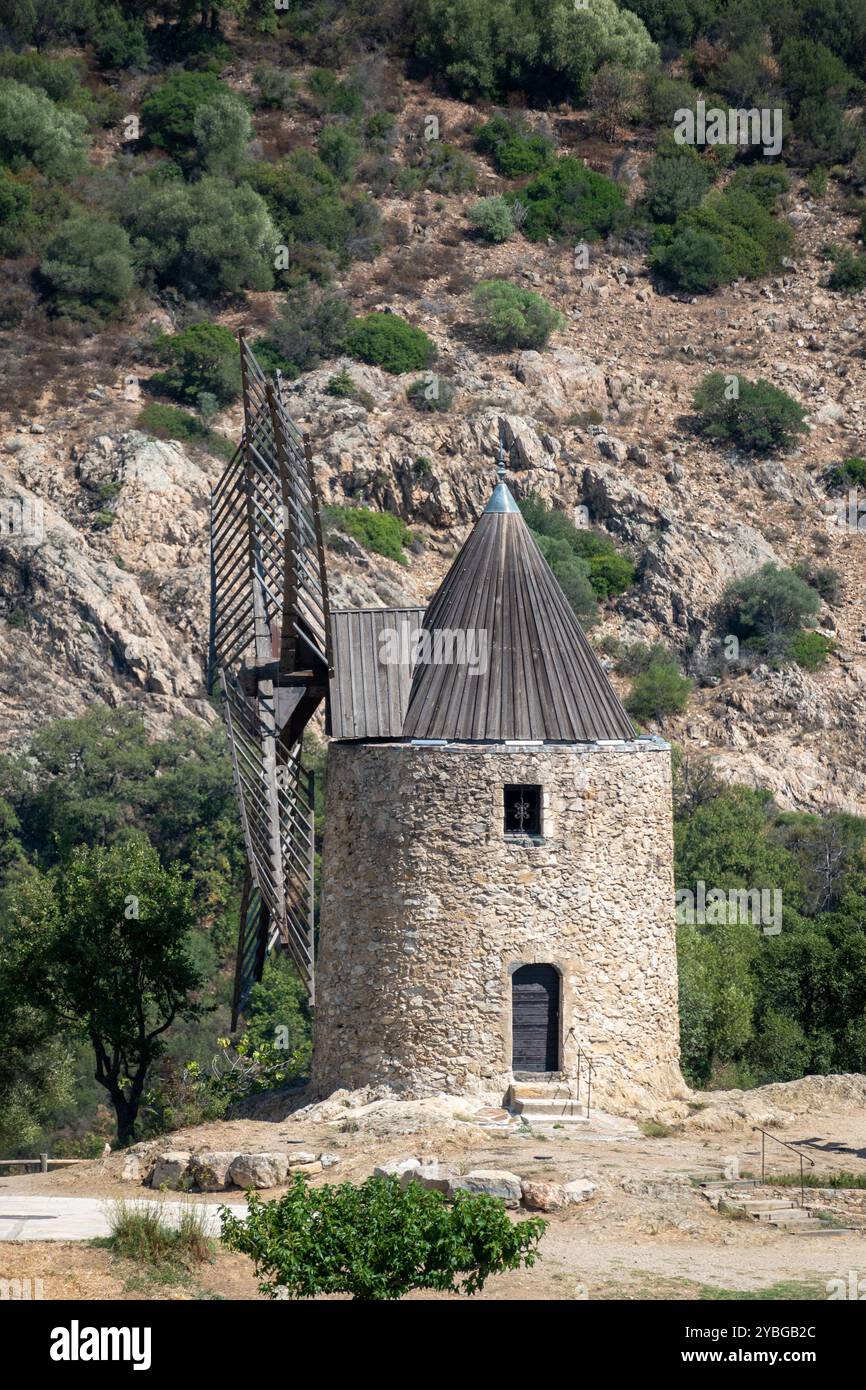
(378, 1241)
(106, 940)
(727, 842)
(201, 359)
(767, 609)
(693, 261)
(87, 268)
(168, 115)
(511, 316)
(120, 40)
(312, 211)
(222, 130)
(207, 238)
(388, 341)
(15, 213)
(33, 130)
(35, 1064)
(757, 416)
(278, 1012)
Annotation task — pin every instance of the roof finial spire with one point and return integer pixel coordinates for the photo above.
(500, 469)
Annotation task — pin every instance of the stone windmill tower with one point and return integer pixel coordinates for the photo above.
(497, 894)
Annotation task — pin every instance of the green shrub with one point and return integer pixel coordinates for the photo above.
(692, 261)
(275, 86)
(33, 130)
(378, 1240)
(663, 96)
(817, 181)
(386, 340)
(849, 270)
(168, 114)
(309, 207)
(312, 327)
(381, 532)
(511, 316)
(170, 422)
(822, 578)
(58, 78)
(118, 41)
(222, 131)
(334, 97)
(341, 385)
(447, 169)
(613, 99)
(810, 650)
(769, 608)
(675, 184)
(206, 238)
(201, 359)
(16, 220)
(851, 472)
(593, 554)
(492, 218)
(760, 419)
(339, 150)
(766, 182)
(513, 147)
(87, 268)
(658, 691)
(569, 199)
(431, 393)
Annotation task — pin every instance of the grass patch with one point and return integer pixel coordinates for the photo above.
(855, 1180)
(381, 532)
(654, 1129)
(141, 1232)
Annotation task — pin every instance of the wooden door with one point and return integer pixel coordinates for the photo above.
(535, 1018)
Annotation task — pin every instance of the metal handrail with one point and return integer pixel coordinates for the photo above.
(584, 1057)
(765, 1135)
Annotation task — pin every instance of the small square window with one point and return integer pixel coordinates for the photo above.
(522, 809)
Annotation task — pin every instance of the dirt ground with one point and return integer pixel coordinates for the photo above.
(648, 1232)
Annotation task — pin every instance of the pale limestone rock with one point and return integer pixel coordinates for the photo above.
(398, 1168)
(580, 1190)
(492, 1182)
(210, 1170)
(259, 1170)
(170, 1169)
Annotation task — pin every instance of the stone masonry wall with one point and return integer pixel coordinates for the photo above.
(427, 907)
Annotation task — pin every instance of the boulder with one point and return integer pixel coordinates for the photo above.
(580, 1190)
(259, 1170)
(398, 1168)
(133, 1169)
(492, 1182)
(170, 1169)
(432, 1176)
(544, 1196)
(563, 381)
(329, 1160)
(210, 1170)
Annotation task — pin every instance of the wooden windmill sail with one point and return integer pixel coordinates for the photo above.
(270, 656)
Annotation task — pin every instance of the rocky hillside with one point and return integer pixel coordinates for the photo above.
(112, 604)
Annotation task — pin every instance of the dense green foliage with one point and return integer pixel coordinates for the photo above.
(381, 532)
(757, 1006)
(493, 218)
(768, 609)
(35, 130)
(659, 690)
(513, 147)
(568, 199)
(510, 316)
(586, 563)
(87, 268)
(200, 360)
(311, 327)
(752, 414)
(378, 1240)
(386, 340)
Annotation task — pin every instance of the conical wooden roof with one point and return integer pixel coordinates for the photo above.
(541, 679)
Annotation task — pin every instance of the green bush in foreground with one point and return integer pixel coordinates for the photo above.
(378, 1241)
(511, 316)
(752, 414)
(386, 340)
